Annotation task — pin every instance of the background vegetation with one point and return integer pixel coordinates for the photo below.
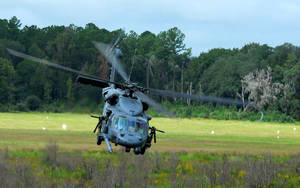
(55, 168)
(156, 60)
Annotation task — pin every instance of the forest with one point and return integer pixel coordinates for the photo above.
(267, 76)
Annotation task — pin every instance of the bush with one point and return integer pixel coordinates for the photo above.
(224, 113)
(3, 108)
(85, 106)
(56, 107)
(21, 107)
(33, 102)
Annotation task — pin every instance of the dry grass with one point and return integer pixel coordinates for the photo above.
(54, 168)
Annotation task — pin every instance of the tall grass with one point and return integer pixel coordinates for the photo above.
(55, 168)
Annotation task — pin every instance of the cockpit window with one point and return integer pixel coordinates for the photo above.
(121, 122)
(137, 126)
(133, 126)
(141, 127)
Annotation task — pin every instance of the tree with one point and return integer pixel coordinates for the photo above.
(290, 102)
(13, 28)
(47, 92)
(158, 60)
(150, 63)
(33, 102)
(36, 51)
(173, 40)
(7, 75)
(3, 29)
(260, 88)
(25, 71)
(69, 96)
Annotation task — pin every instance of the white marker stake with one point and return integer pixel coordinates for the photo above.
(64, 126)
(44, 128)
(212, 132)
(47, 117)
(294, 128)
(278, 131)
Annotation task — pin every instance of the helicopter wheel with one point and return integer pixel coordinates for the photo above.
(143, 150)
(99, 140)
(137, 150)
(127, 150)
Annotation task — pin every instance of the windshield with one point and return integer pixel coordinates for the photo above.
(137, 126)
(141, 127)
(133, 126)
(121, 122)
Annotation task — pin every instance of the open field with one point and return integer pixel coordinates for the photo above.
(188, 155)
(24, 131)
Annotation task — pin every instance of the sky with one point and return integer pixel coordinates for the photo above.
(206, 24)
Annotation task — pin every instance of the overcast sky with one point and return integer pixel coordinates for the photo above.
(207, 24)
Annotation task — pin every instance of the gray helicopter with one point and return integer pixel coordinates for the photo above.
(124, 121)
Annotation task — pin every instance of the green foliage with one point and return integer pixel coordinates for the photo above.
(159, 61)
(47, 92)
(3, 108)
(7, 74)
(56, 106)
(69, 95)
(22, 107)
(227, 113)
(33, 102)
(100, 169)
(86, 106)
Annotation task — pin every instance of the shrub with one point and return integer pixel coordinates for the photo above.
(21, 107)
(33, 102)
(56, 107)
(3, 108)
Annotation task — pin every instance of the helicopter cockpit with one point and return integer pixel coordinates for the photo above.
(131, 125)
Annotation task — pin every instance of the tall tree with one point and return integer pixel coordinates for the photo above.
(7, 74)
(173, 40)
(13, 28)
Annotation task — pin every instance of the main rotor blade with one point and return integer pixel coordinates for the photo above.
(43, 61)
(154, 104)
(82, 77)
(116, 42)
(108, 52)
(200, 98)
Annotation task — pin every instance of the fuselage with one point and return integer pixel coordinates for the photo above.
(127, 124)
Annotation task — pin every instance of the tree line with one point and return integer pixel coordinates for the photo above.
(267, 76)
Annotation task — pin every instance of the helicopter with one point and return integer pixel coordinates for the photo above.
(124, 120)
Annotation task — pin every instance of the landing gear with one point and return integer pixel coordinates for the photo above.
(99, 139)
(127, 150)
(137, 150)
(101, 121)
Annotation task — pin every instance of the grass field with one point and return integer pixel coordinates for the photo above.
(24, 131)
(187, 155)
